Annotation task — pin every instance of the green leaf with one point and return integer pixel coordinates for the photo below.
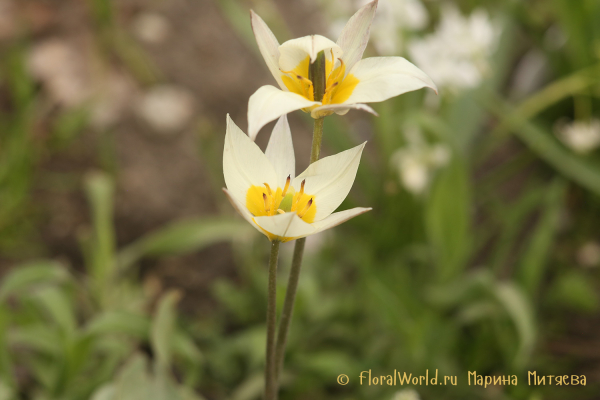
(540, 244)
(163, 328)
(99, 188)
(549, 149)
(6, 392)
(119, 322)
(133, 381)
(448, 218)
(184, 237)
(38, 337)
(520, 311)
(106, 392)
(576, 290)
(29, 276)
(58, 306)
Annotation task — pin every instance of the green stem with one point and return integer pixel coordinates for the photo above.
(271, 367)
(288, 305)
(317, 76)
(290, 295)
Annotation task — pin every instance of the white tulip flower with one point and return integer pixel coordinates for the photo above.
(263, 187)
(350, 81)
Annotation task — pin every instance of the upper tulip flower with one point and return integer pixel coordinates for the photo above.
(350, 81)
(264, 190)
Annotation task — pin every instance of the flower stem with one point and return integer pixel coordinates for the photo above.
(290, 295)
(288, 305)
(271, 367)
(317, 76)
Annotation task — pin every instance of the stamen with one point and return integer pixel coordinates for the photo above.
(301, 213)
(266, 202)
(302, 188)
(329, 93)
(280, 211)
(287, 185)
(268, 189)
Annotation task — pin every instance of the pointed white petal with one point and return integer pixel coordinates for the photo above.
(330, 180)
(242, 210)
(269, 103)
(268, 46)
(280, 151)
(244, 164)
(355, 35)
(383, 77)
(338, 218)
(340, 109)
(285, 227)
(294, 51)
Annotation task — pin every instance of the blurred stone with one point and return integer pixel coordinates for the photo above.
(151, 28)
(166, 108)
(112, 99)
(588, 255)
(60, 67)
(7, 19)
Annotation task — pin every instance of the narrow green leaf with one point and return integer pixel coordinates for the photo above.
(99, 189)
(448, 219)
(25, 277)
(58, 306)
(163, 327)
(549, 149)
(184, 237)
(119, 322)
(540, 244)
(521, 313)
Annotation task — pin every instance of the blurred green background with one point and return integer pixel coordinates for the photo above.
(127, 275)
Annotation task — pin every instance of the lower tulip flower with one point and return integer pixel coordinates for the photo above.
(263, 187)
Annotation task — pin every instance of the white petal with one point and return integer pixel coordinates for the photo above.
(280, 151)
(244, 164)
(294, 51)
(268, 46)
(242, 210)
(383, 77)
(269, 103)
(340, 109)
(285, 227)
(355, 35)
(338, 218)
(330, 180)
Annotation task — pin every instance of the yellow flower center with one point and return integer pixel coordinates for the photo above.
(338, 86)
(263, 201)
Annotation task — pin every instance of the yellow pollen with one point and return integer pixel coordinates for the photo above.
(267, 201)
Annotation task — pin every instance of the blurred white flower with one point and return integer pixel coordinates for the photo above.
(406, 394)
(417, 162)
(580, 136)
(166, 108)
(393, 20)
(456, 54)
